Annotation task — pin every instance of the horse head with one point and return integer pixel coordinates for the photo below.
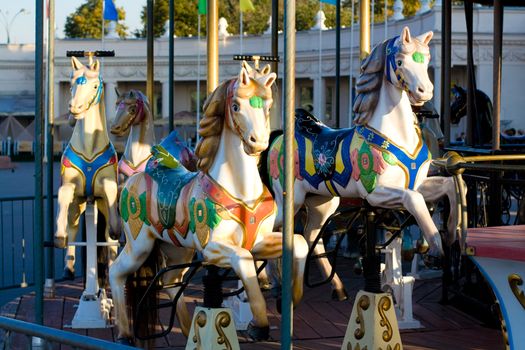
(407, 65)
(131, 110)
(458, 108)
(86, 87)
(242, 105)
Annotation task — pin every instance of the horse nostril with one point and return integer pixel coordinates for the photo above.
(420, 89)
(252, 139)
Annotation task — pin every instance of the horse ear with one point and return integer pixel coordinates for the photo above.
(268, 80)
(266, 69)
(117, 92)
(76, 64)
(96, 66)
(244, 77)
(405, 36)
(247, 66)
(131, 93)
(425, 38)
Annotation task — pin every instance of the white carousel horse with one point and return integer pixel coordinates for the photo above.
(133, 113)
(89, 163)
(224, 210)
(382, 159)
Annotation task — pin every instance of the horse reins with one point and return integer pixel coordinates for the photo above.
(391, 51)
(229, 115)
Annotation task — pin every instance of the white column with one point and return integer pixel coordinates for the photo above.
(111, 99)
(319, 97)
(56, 110)
(165, 99)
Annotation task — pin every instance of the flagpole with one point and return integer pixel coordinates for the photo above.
(198, 75)
(241, 34)
(386, 20)
(320, 59)
(351, 76)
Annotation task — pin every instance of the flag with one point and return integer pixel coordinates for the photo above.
(110, 11)
(331, 2)
(246, 5)
(202, 7)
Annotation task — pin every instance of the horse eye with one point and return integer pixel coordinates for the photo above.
(399, 63)
(96, 87)
(235, 107)
(132, 109)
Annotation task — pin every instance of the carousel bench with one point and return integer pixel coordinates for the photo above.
(499, 253)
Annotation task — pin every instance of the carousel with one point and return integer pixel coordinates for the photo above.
(377, 236)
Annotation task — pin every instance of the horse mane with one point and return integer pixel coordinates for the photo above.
(210, 126)
(369, 83)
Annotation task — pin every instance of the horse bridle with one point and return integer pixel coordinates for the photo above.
(139, 113)
(391, 51)
(229, 114)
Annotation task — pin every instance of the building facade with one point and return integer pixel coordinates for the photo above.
(315, 67)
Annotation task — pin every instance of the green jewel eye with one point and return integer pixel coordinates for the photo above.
(418, 57)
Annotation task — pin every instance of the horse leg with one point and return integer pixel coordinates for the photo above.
(128, 261)
(394, 197)
(435, 187)
(66, 194)
(109, 199)
(319, 209)
(241, 261)
(176, 256)
(105, 255)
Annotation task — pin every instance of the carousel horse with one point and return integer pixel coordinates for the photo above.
(89, 164)
(133, 114)
(224, 211)
(382, 159)
(483, 114)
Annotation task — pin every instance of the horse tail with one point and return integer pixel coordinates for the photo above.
(264, 170)
(146, 318)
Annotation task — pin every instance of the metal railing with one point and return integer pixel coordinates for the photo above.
(41, 337)
(16, 242)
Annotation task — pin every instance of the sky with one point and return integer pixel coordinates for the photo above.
(22, 30)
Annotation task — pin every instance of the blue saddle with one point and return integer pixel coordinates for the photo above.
(89, 168)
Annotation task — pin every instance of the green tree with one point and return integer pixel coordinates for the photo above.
(86, 21)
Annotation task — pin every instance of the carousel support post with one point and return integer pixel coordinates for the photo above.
(150, 83)
(94, 307)
(38, 250)
(170, 63)
(337, 63)
(446, 46)
(212, 22)
(49, 286)
(288, 194)
(496, 71)
(373, 322)
(212, 326)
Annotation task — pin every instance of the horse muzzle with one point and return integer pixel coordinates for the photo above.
(419, 98)
(253, 147)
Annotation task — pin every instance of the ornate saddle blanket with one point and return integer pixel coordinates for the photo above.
(171, 177)
(216, 204)
(324, 153)
(391, 153)
(89, 168)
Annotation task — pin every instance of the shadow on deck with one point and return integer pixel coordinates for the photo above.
(319, 322)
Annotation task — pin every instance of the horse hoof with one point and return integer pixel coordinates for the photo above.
(339, 294)
(68, 274)
(114, 235)
(60, 242)
(125, 341)
(258, 333)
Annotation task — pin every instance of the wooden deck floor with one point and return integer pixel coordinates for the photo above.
(319, 322)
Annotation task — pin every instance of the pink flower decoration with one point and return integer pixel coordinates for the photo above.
(274, 168)
(365, 161)
(322, 159)
(356, 172)
(379, 162)
(297, 172)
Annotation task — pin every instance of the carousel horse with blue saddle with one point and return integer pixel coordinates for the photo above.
(223, 210)
(88, 166)
(381, 159)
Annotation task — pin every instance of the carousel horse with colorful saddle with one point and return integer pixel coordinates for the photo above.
(381, 159)
(89, 165)
(133, 114)
(224, 211)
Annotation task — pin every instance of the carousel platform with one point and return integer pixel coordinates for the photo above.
(319, 322)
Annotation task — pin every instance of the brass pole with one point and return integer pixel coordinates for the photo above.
(364, 21)
(496, 78)
(149, 53)
(212, 23)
